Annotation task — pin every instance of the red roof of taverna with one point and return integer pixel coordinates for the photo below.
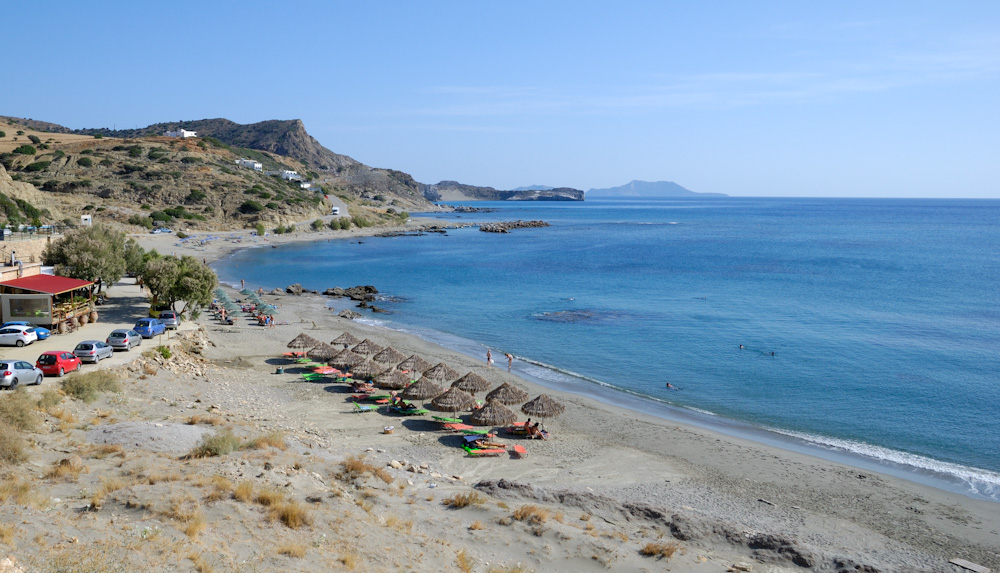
(48, 284)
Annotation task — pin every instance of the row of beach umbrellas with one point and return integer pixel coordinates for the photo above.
(458, 397)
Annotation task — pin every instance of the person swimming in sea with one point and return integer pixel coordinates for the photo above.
(672, 387)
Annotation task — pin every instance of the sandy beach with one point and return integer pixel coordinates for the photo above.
(611, 489)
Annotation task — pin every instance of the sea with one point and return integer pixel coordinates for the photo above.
(866, 331)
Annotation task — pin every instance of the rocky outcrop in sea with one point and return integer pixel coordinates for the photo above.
(506, 226)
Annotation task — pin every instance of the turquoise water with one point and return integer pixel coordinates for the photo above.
(882, 315)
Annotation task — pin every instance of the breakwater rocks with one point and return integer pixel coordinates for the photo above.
(442, 229)
(506, 226)
(360, 293)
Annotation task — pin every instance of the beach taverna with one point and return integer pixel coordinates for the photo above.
(46, 300)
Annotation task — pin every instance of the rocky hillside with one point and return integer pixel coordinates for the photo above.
(455, 191)
(190, 183)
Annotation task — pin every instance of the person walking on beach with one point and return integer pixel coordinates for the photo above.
(489, 357)
(510, 360)
(243, 284)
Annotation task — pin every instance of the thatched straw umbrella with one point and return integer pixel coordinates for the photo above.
(366, 370)
(493, 414)
(347, 339)
(303, 340)
(507, 393)
(414, 364)
(367, 348)
(543, 407)
(441, 372)
(454, 400)
(389, 355)
(472, 383)
(322, 351)
(346, 359)
(392, 379)
(422, 389)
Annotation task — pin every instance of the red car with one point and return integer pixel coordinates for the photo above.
(58, 362)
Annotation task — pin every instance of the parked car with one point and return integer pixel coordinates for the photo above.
(93, 351)
(124, 339)
(160, 230)
(17, 335)
(149, 327)
(58, 362)
(42, 333)
(170, 319)
(155, 310)
(16, 371)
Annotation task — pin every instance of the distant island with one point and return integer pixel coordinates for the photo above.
(649, 189)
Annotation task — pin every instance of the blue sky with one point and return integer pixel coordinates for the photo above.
(870, 99)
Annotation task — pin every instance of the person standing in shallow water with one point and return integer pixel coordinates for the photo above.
(510, 360)
(489, 357)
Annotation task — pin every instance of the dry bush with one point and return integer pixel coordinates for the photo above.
(201, 564)
(194, 526)
(243, 491)
(460, 500)
(354, 467)
(466, 563)
(218, 444)
(50, 398)
(18, 409)
(7, 534)
(86, 387)
(533, 514)
(222, 488)
(292, 513)
(477, 525)
(149, 369)
(659, 550)
(101, 451)
(269, 496)
(616, 535)
(108, 485)
(273, 439)
(208, 420)
(158, 477)
(349, 560)
(97, 557)
(398, 523)
(12, 446)
(62, 414)
(292, 550)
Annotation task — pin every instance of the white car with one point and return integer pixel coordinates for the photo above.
(17, 335)
(14, 372)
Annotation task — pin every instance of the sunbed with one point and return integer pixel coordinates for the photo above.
(361, 409)
(518, 451)
(474, 452)
(407, 411)
(444, 420)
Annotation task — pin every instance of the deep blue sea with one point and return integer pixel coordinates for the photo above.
(870, 328)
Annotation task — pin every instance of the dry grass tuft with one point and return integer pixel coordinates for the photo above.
(65, 469)
(108, 485)
(398, 523)
(273, 439)
(208, 420)
(195, 525)
(21, 492)
(460, 500)
(292, 550)
(102, 451)
(354, 467)
(476, 525)
(659, 550)
(159, 477)
(222, 488)
(7, 534)
(50, 398)
(349, 560)
(62, 414)
(269, 497)
(12, 446)
(292, 513)
(149, 369)
(218, 444)
(533, 514)
(86, 387)
(466, 563)
(201, 564)
(243, 491)
(17, 409)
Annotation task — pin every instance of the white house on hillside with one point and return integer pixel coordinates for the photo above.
(250, 164)
(285, 174)
(181, 132)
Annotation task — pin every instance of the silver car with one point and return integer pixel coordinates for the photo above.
(123, 339)
(170, 319)
(17, 335)
(93, 351)
(16, 371)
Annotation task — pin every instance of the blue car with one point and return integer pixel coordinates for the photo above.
(42, 333)
(149, 327)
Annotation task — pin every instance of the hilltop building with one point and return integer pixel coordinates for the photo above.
(250, 164)
(181, 132)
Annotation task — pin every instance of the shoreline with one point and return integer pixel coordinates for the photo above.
(946, 476)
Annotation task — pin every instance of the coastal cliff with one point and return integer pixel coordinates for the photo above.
(455, 191)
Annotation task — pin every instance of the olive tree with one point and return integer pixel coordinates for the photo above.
(171, 280)
(89, 253)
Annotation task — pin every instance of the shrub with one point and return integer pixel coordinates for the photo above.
(273, 439)
(189, 159)
(85, 162)
(37, 166)
(460, 500)
(105, 163)
(35, 139)
(659, 550)
(18, 410)
(135, 151)
(532, 514)
(218, 444)
(3, 134)
(50, 397)
(86, 387)
(182, 235)
(356, 466)
(87, 152)
(195, 195)
(98, 136)
(25, 150)
(251, 207)
(292, 550)
(260, 229)
(164, 351)
(317, 225)
(292, 513)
